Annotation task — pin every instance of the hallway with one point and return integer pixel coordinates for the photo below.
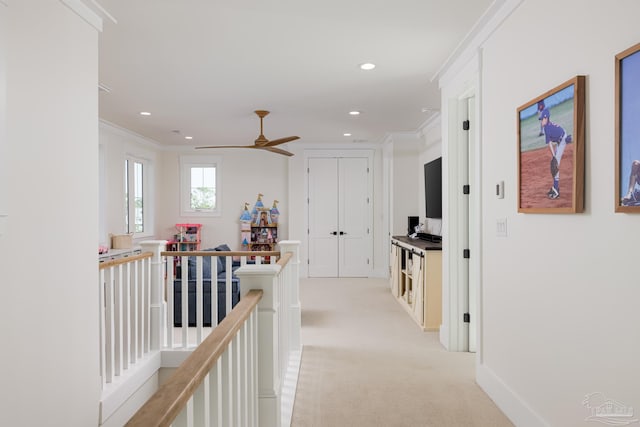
(366, 363)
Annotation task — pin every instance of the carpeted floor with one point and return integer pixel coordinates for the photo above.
(366, 363)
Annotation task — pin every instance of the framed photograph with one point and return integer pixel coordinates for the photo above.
(627, 193)
(550, 150)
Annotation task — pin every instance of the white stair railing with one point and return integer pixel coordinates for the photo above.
(246, 384)
(124, 289)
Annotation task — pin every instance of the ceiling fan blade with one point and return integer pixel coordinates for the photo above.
(227, 146)
(277, 150)
(280, 141)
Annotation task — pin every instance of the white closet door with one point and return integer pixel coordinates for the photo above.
(323, 217)
(353, 206)
(339, 204)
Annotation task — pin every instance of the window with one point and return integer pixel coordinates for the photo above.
(200, 185)
(135, 184)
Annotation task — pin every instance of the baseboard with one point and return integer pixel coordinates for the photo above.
(289, 387)
(507, 400)
(131, 386)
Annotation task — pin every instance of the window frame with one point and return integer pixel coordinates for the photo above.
(147, 220)
(186, 163)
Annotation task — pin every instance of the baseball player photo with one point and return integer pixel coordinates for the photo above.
(551, 156)
(628, 131)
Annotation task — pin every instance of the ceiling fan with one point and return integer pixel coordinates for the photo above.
(261, 142)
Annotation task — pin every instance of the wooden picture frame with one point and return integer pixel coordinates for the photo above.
(562, 112)
(627, 130)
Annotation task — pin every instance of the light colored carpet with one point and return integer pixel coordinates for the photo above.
(365, 362)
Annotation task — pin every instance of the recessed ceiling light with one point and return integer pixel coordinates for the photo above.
(354, 113)
(188, 137)
(347, 134)
(367, 66)
(145, 113)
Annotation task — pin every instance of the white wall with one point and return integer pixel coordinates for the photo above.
(116, 144)
(560, 293)
(245, 173)
(49, 274)
(406, 181)
(430, 149)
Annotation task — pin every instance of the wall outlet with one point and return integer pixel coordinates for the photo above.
(501, 227)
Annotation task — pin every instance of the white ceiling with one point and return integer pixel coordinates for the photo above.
(201, 67)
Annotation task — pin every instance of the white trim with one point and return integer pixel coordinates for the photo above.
(458, 78)
(513, 406)
(148, 195)
(289, 388)
(139, 139)
(103, 11)
(115, 394)
(84, 12)
(188, 161)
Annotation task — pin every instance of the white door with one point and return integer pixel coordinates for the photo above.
(323, 217)
(339, 217)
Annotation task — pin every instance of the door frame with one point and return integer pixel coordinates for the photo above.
(454, 333)
(317, 153)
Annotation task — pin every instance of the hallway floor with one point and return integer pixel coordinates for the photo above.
(365, 362)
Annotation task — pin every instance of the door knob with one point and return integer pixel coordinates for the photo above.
(343, 233)
(334, 233)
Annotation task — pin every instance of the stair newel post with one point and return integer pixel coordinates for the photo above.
(293, 287)
(264, 276)
(157, 308)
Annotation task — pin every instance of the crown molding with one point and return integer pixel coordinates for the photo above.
(89, 10)
(432, 121)
(118, 130)
(488, 23)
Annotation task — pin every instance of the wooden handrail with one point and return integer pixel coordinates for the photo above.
(284, 259)
(172, 396)
(220, 253)
(124, 260)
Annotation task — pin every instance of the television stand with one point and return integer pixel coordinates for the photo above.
(416, 280)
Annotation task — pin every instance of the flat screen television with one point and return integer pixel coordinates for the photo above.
(433, 188)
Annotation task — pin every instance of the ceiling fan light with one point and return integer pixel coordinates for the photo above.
(188, 137)
(354, 113)
(367, 66)
(347, 134)
(145, 113)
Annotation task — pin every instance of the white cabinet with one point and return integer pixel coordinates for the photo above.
(416, 280)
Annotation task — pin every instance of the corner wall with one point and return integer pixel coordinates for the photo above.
(560, 293)
(48, 321)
